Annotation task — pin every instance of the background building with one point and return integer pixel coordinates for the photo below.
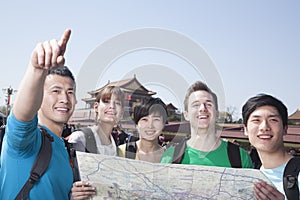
(134, 92)
(295, 118)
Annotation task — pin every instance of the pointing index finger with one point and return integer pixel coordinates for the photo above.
(64, 40)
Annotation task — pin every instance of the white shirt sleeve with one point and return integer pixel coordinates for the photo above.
(77, 138)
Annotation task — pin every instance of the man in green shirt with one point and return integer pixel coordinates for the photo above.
(205, 147)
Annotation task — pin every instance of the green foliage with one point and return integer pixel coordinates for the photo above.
(175, 117)
(225, 117)
(239, 121)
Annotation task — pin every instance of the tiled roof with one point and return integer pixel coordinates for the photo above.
(132, 85)
(295, 115)
(171, 106)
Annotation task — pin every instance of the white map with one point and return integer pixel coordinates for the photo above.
(120, 178)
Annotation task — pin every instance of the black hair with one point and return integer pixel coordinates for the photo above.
(148, 106)
(264, 100)
(62, 71)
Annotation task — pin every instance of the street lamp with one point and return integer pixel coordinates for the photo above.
(8, 92)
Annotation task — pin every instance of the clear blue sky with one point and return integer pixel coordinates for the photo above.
(254, 45)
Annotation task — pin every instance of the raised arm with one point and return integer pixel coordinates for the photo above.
(45, 56)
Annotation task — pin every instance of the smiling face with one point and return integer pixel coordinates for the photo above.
(265, 129)
(150, 126)
(201, 110)
(109, 110)
(59, 100)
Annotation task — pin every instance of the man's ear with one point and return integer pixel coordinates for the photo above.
(245, 130)
(186, 117)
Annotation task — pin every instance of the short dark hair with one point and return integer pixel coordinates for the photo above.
(148, 106)
(62, 71)
(197, 86)
(264, 100)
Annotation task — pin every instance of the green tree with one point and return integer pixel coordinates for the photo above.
(225, 117)
(228, 116)
(174, 116)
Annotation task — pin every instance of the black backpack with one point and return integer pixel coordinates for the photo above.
(233, 153)
(90, 141)
(290, 179)
(291, 171)
(2, 132)
(255, 158)
(130, 150)
(290, 176)
(42, 161)
(232, 149)
(40, 164)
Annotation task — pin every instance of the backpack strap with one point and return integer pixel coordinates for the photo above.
(290, 179)
(40, 165)
(179, 152)
(255, 158)
(130, 151)
(90, 144)
(73, 160)
(2, 132)
(234, 156)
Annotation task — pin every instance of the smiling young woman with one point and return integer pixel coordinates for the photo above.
(150, 117)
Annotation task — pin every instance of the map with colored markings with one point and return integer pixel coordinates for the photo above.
(121, 178)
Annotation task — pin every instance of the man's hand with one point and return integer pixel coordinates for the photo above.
(262, 191)
(50, 54)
